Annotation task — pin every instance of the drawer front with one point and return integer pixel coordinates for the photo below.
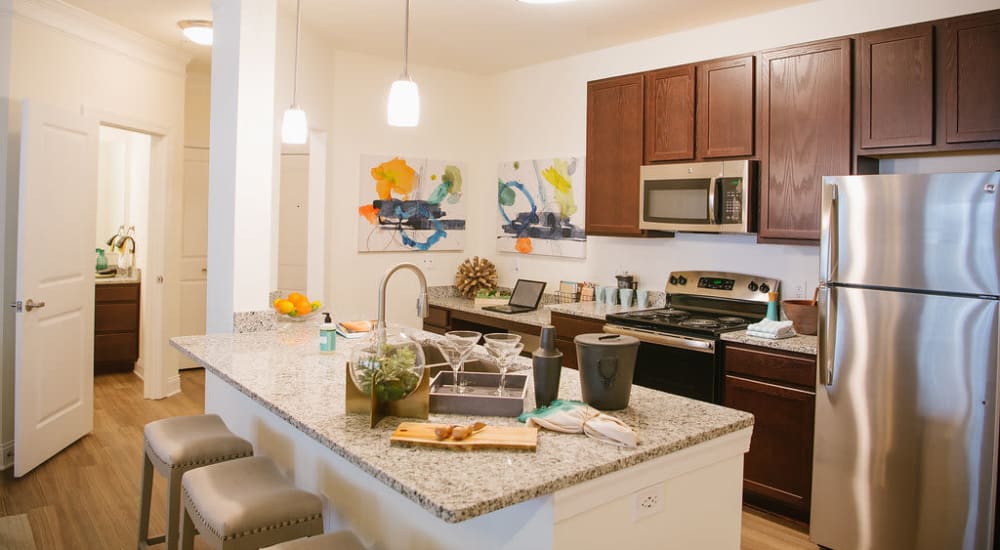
(772, 365)
(116, 293)
(121, 346)
(568, 327)
(116, 317)
(437, 317)
(568, 349)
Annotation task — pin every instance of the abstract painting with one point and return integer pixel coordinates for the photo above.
(541, 207)
(410, 204)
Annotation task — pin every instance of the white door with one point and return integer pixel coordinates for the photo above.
(293, 220)
(194, 245)
(54, 343)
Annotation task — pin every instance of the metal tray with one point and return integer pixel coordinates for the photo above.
(480, 398)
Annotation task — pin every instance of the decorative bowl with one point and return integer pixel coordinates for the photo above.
(393, 367)
(803, 314)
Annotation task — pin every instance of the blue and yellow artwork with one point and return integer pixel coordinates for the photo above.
(540, 207)
(410, 204)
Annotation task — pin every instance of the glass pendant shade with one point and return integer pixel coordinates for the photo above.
(404, 104)
(294, 128)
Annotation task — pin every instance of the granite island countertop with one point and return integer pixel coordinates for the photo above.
(119, 279)
(283, 371)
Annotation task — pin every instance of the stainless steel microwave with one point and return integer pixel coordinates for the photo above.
(704, 197)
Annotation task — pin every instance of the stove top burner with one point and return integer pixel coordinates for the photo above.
(700, 322)
(679, 320)
(732, 320)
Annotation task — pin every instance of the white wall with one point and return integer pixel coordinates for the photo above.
(67, 58)
(455, 124)
(540, 111)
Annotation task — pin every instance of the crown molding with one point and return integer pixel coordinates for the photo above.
(99, 31)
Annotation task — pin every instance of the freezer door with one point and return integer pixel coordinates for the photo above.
(938, 232)
(905, 446)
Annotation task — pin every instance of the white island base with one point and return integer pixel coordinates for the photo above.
(696, 493)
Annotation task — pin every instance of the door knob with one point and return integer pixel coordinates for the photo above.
(30, 305)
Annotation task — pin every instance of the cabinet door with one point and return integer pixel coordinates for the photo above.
(971, 73)
(614, 155)
(725, 107)
(670, 114)
(896, 87)
(805, 133)
(777, 472)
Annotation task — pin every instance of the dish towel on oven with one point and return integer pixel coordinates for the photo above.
(771, 329)
(575, 417)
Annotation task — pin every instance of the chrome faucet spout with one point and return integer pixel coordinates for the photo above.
(422, 308)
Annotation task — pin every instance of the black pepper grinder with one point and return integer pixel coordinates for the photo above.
(546, 364)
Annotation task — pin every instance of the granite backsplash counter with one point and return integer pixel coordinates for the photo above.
(798, 344)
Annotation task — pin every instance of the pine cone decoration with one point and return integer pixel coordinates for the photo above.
(475, 274)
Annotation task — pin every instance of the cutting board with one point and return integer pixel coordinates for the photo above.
(491, 437)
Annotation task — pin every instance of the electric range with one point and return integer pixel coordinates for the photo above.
(677, 343)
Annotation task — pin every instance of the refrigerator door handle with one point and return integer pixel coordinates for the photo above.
(828, 232)
(827, 335)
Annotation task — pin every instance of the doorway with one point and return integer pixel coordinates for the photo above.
(122, 242)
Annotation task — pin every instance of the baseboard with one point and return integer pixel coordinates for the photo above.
(139, 370)
(6, 455)
(173, 385)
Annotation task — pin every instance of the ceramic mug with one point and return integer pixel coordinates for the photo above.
(626, 296)
(610, 295)
(642, 298)
(598, 294)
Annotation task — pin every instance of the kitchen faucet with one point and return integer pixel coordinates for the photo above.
(422, 309)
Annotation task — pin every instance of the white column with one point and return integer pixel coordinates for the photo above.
(8, 243)
(242, 143)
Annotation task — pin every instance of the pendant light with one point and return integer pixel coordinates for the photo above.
(404, 98)
(294, 128)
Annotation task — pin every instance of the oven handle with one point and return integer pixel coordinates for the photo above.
(711, 201)
(702, 346)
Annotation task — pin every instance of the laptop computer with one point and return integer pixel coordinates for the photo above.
(525, 297)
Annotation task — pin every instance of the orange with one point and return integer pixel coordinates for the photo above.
(295, 296)
(284, 306)
(303, 308)
(275, 304)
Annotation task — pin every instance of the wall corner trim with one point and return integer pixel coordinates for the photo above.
(102, 32)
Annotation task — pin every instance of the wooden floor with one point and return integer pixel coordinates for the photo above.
(87, 497)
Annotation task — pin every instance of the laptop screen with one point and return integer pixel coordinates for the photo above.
(527, 293)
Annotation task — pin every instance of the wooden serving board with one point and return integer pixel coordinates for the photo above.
(490, 437)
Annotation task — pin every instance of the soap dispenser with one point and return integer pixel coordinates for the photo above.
(327, 335)
(546, 364)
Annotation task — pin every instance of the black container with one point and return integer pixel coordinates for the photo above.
(546, 364)
(607, 363)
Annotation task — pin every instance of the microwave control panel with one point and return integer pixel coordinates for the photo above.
(732, 200)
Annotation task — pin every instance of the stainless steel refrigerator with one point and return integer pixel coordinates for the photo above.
(905, 453)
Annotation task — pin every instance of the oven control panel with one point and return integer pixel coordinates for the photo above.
(737, 286)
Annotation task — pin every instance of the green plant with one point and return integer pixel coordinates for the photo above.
(392, 371)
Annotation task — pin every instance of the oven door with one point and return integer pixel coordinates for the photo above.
(679, 204)
(675, 364)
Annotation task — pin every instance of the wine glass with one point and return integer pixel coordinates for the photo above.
(453, 355)
(465, 341)
(503, 346)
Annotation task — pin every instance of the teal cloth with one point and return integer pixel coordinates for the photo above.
(559, 405)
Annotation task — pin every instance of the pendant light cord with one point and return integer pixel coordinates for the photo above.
(406, 42)
(295, 66)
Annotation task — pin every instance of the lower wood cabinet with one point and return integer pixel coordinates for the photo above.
(778, 389)
(116, 327)
(567, 328)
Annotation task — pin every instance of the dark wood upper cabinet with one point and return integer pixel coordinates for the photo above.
(670, 114)
(805, 133)
(896, 87)
(970, 69)
(725, 107)
(614, 155)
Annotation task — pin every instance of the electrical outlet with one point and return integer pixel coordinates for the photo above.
(647, 502)
(799, 292)
(428, 263)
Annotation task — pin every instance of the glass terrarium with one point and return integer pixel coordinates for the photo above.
(388, 379)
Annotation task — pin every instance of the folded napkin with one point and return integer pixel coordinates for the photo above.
(771, 329)
(575, 417)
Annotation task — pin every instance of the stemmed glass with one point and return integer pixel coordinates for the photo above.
(503, 346)
(453, 355)
(464, 341)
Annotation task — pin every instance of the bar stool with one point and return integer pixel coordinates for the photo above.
(174, 446)
(246, 503)
(338, 540)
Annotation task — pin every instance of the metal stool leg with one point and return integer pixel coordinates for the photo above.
(187, 531)
(144, 500)
(173, 509)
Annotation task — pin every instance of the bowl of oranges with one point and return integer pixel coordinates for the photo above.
(296, 307)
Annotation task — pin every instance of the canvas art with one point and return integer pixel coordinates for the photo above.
(410, 204)
(540, 207)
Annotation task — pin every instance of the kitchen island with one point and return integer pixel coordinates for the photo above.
(275, 389)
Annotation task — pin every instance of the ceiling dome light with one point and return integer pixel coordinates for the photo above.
(198, 31)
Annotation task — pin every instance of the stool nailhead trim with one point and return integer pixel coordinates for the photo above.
(205, 462)
(287, 523)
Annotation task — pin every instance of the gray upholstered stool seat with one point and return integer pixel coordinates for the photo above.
(339, 540)
(246, 503)
(174, 446)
